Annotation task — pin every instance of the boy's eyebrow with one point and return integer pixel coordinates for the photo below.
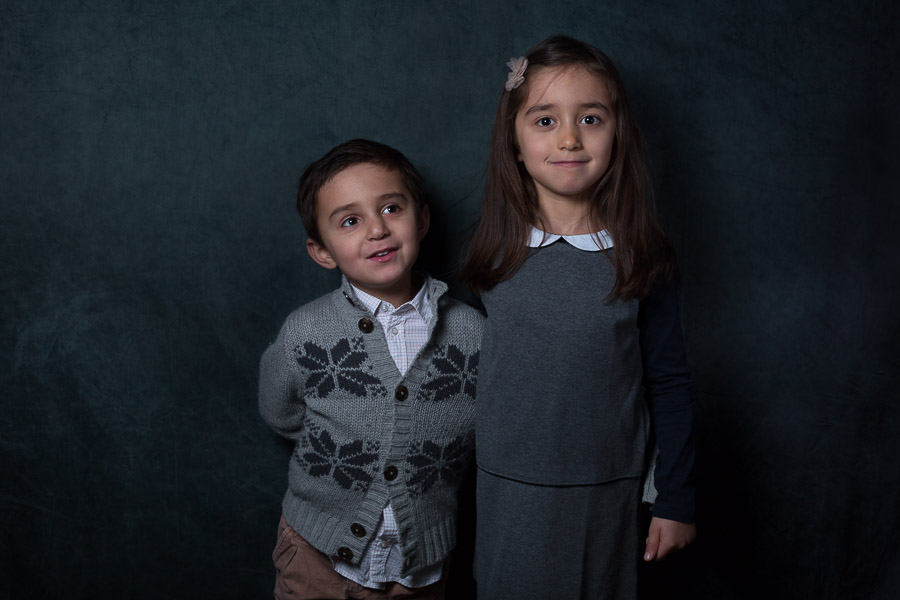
(543, 107)
(390, 195)
(351, 205)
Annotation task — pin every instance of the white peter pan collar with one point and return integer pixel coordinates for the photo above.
(592, 242)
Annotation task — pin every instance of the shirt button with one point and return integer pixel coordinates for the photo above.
(390, 473)
(365, 325)
(394, 331)
(401, 393)
(345, 553)
(357, 530)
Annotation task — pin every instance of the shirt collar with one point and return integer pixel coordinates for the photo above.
(592, 242)
(420, 302)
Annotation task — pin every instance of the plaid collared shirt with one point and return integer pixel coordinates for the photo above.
(406, 330)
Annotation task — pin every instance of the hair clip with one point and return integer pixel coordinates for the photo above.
(516, 74)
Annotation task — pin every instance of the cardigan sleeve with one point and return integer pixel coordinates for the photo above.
(280, 401)
(667, 380)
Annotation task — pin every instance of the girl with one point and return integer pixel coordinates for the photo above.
(582, 345)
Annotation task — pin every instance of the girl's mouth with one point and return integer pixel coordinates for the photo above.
(570, 163)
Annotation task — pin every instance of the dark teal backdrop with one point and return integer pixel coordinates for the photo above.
(150, 153)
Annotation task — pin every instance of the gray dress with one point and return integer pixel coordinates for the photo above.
(562, 428)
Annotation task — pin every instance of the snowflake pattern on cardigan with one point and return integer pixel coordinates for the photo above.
(342, 367)
(452, 372)
(429, 463)
(351, 465)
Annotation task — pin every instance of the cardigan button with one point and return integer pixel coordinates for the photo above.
(357, 530)
(365, 325)
(345, 553)
(390, 473)
(401, 393)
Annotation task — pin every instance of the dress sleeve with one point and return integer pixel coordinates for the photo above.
(667, 380)
(280, 403)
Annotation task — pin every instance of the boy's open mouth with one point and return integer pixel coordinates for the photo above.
(383, 254)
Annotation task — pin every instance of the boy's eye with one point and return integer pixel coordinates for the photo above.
(544, 122)
(590, 120)
(349, 222)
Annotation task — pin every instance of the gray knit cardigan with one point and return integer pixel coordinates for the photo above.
(365, 435)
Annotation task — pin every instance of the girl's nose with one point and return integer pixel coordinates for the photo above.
(569, 138)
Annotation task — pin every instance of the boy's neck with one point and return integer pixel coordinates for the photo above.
(399, 294)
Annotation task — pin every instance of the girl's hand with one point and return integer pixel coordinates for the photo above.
(666, 536)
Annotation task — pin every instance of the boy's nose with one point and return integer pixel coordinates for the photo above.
(377, 228)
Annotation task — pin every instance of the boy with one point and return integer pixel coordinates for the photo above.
(375, 383)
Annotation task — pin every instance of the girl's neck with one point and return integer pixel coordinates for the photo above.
(566, 218)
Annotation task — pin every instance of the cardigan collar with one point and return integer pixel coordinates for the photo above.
(420, 302)
(434, 288)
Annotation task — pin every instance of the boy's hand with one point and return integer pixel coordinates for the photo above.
(666, 536)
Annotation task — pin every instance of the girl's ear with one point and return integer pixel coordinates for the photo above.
(424, 221)
(320, 254)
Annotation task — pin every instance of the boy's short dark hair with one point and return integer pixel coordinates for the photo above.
(341, 157)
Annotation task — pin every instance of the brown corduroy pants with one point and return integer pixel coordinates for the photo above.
(304, 573)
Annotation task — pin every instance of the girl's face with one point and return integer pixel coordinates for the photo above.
(565, 132)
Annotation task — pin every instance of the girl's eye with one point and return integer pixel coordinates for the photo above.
(349, 222)
(590, 120)
(544, 122)
(390, 208)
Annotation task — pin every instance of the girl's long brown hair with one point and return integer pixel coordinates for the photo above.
(621, 199)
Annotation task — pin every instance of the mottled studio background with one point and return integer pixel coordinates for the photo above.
(150, 250)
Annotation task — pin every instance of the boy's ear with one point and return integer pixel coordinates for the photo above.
(320, 254)
(424, 221)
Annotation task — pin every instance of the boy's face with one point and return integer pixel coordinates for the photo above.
(370, 229)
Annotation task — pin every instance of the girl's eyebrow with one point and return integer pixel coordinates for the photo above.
(538, 108)
(543, 107)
